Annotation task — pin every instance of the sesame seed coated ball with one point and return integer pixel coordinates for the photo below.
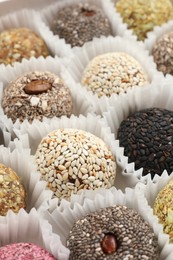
(19, 43)
(12, 191)
(112, 233)
(80, 23)
(111, 73)
(142, 16)
(71, 160)
(163, 208)
(147, 139)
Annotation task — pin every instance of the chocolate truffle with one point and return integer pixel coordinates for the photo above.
(147, 138)
(19, 43)
(35, 95)
(12, 191)
(113, 72)
(163, 208)
(142, 16)
(112, 233)
(72, 159)
(23, 251)
(80, 23)
(162, 53)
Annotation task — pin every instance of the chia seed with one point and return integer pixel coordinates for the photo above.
(135, 239)
(80, 23)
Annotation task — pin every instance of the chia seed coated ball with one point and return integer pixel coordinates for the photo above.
(142, 16)
(163, 208)
(19, 43)
(80, 23)
(113, 72)
(112, 233)
(12, 191)
(35, 95)
(162, 53)
(72, 159)
(147, 138)
(25, 251)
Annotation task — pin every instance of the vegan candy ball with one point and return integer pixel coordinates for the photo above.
(162, 53)
(163, 208)
(142, 16)
(80, 23)
(12, 191)
(112, 233)
(35, 95)
(147, 138)
(19, 43)
(24, 251)
(114, 72)
(72, 159)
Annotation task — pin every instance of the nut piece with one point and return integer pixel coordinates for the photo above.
(36, 87)
(109, 244)
(87, 12)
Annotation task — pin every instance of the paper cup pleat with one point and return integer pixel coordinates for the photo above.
(158, 94)
(90, 201)
(29, 228)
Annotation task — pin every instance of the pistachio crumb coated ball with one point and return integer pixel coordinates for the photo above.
(162, 53)
(142, 16)
(72, 159)
(24, 251)
(147, 138)
(19, 43)
(112, 233)
(113, 72)
(12, 191)
(35, 95)
(80, 23)
(163, 208)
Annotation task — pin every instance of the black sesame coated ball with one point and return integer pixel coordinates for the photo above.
(112, 233)
(147, 138)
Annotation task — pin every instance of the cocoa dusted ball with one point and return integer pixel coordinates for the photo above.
(112, 233)
(12, 191)
(147, 138)
(35, 95)
(19, 43)
(80, 23)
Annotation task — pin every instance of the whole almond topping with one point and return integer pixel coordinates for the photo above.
(36, 87)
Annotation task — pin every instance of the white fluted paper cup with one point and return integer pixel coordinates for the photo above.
(36, 192)
(158, 94)
(156, 34)
(30, 135)
(82, 56)
(53, 65)
(31, 19)
(30, 228)
(62, 219)
(115, 20)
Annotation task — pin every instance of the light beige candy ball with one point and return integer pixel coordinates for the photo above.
(72, 159)
(113, 72)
